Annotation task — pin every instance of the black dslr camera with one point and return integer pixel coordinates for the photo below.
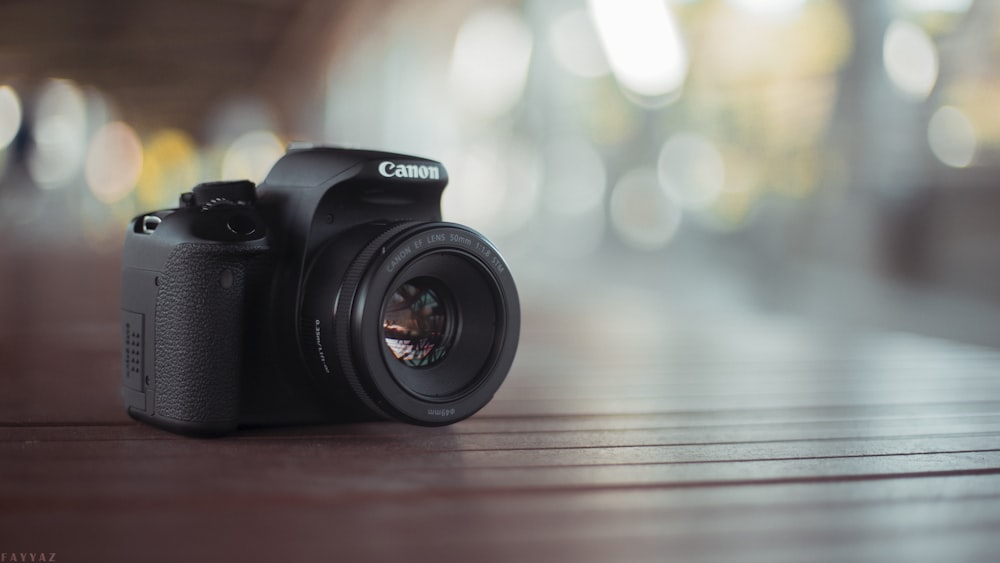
(332, 292)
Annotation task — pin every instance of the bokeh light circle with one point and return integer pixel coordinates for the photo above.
(643, 214)
(575, 45)
(10, 115)
(251, 156)
(60, 135)
(489, 63)
(952, 137)
(910, 58)
(693, 167)
(114, 162)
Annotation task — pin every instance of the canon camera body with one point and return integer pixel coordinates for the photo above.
(331, 292)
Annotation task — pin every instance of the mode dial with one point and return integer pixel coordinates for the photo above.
(210, 194)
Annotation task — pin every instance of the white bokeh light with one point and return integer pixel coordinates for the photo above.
(575, 177)
(489, 63)
(952, 137)
(642, 43)
(910, 58)
(948, 6)
(493, 188)
(251, 156)
(644, 215)
(60, 135)
(114, 162)
(575, 45)
(690, 165)
(10, 115)
(772, 9)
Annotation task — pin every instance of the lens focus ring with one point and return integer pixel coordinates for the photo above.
(352, 279)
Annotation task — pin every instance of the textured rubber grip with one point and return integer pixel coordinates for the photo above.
(200, 312)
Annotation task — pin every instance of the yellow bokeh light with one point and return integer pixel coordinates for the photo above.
(735, 52)
(170, 166)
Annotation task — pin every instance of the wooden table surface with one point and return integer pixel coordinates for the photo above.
(625, 432)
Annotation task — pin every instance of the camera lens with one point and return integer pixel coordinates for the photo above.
(416, 324)
(425, 319)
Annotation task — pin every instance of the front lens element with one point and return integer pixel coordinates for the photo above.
(416, 324)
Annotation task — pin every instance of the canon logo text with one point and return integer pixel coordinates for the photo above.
(390, 169)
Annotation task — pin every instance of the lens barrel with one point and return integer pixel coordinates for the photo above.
(423, 322)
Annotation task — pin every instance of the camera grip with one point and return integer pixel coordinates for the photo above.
(200, 325)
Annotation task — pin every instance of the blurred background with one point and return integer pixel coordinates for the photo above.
(834, 160)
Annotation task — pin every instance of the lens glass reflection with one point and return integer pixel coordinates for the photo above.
(415, 324)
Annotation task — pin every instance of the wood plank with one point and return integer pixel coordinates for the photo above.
(759, 439)
(922, 520)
